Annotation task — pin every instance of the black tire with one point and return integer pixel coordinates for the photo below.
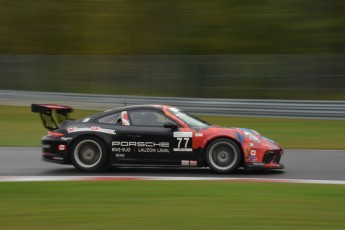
(223, 155)
(89, 154)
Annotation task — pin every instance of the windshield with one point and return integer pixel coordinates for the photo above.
(190, 120)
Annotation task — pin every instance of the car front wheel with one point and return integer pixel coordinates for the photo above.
(223, 155)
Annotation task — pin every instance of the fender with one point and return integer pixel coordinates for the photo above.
(215, 136)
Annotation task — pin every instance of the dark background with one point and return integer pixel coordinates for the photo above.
(288, 49)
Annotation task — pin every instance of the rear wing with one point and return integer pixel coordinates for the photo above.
(52, 115)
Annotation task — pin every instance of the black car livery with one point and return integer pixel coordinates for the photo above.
(150, 135)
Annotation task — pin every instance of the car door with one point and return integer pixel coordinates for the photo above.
(142, 139)
(149, 141)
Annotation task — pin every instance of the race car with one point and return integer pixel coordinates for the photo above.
(151, 135)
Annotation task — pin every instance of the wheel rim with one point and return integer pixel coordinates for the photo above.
(223, 156)
(88, 153)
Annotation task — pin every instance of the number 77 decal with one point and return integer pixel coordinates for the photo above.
(183, 143)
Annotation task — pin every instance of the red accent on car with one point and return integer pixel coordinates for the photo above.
(55, 134)
(62, 147)
(54, 106)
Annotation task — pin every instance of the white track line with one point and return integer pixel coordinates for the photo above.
(121, 178)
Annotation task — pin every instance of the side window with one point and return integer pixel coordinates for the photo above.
(110, 119)
(147, 118)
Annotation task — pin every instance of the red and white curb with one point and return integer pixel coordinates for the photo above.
(157, 178)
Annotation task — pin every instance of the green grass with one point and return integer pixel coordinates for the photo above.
(170, 205)
(23, 128)
(292, 133)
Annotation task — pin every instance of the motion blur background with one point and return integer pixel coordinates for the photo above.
(286, 49)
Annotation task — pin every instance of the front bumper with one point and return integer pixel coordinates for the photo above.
(260, 165)
(270, 160)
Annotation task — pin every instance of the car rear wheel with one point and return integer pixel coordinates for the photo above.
(223, 155)
(89, 155)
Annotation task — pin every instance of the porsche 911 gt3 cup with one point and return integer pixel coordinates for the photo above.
(151, 135)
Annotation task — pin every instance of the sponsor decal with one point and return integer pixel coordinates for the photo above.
(71, 129)
(259, 163)
(92, 129)
(121, 150)
(253, 152)
(183, 134)
(183, 149)
(86, 119)
(46, 146)
(193, 163)
(66, 138)
(147, 150)
(120, 155)
(58, 158)
(152, 150)
(140, 146)
(252, 158)
(62, 147)
(199, 134)
(251, 145)
(185, 163)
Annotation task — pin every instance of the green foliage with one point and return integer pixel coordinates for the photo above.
(197, 48)
(117, 27)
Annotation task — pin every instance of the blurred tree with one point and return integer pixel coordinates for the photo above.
(41, 27)
(206, 48)
(118, 27)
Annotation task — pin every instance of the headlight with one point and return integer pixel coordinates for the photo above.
(251, 136)
(269, 140)
(255, 132)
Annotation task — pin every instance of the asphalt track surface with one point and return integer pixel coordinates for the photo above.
(300, 164)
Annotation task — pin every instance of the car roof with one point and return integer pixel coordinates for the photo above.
(133, 107)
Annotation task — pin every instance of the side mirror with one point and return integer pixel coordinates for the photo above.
(170, 125)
